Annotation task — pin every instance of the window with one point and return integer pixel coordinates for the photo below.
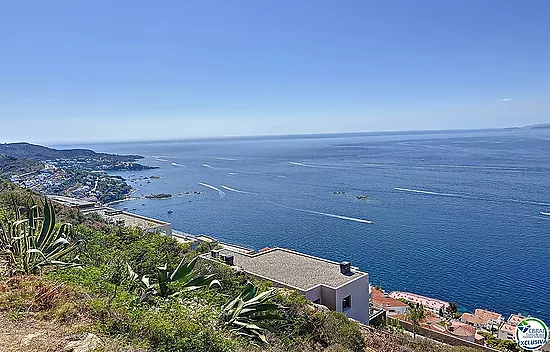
(317, 301)
(346, 303)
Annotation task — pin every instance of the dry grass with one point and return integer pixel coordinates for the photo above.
(43, 316)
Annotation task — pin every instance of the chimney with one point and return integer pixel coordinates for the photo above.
(229, 260)
(345, 268)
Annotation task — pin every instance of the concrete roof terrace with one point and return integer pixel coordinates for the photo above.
(292, 269)
(129, 219)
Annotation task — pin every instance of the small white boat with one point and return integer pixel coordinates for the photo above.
(544, 213)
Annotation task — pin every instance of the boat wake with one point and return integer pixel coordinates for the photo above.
(501, 168)
(324, 214)
(316, 166)
(427, 192)
(520, 201)
(235, 190)
(160, 159)
(174, 164)
(220, 192)
(210, 167)
(228, 159)
(301, 164)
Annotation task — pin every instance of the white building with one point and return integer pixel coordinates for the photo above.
(506, 332)
(338, 286)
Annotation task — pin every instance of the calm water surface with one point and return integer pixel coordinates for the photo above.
(456, 216)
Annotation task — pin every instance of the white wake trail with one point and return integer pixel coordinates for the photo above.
(235, 190)
(220, 192)
(228, 159)
(325, 214)
(427, 192)
(174, 164)
(210, 167)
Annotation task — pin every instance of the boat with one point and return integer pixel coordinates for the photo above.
(544, 213)
(170, 211)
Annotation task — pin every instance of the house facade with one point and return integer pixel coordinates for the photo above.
(506, 332)
(338, 286)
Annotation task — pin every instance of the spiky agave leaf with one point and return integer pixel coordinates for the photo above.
(246, 313)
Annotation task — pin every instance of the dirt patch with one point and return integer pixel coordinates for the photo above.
(29, 335)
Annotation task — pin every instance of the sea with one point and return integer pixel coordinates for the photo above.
(454, 215)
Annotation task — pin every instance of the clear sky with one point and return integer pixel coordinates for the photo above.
(136, 70)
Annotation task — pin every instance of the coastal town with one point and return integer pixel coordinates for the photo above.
(76, 173)
(338, 286)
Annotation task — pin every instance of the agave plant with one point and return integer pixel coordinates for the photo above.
(33, 242)
(248, 313)
(188, 279)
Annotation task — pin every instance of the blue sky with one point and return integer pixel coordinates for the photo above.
(137, 70)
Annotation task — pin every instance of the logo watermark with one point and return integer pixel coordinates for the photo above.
(531, 334)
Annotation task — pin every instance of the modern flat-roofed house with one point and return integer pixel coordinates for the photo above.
(72, 202)
(338, 286)
(123, 218)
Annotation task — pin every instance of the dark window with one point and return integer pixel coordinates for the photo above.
(346, 303)
(317, 301)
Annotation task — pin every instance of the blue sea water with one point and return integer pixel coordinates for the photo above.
(455, 216)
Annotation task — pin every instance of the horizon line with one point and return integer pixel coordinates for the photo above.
(275, 136)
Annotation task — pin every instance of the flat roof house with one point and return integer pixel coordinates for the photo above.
(123, 218)
(72, 202)
(338, 286)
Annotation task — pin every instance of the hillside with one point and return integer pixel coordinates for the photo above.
(10, 165)
(538, 126)
(41, 153)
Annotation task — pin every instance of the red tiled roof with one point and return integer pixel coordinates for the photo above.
(486, 315)
(515, 319)
(461, 329)
(379, 298)
(472, 319)
(508, 328)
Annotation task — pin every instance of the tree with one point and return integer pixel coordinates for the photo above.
(416, 314)
(452, 309)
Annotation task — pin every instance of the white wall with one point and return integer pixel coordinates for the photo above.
(315, 294)
(359, 291)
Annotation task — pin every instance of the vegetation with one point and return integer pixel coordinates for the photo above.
(502, 345)
(189, 280)
(249, 312)
(416, 315)
(104, 297)
(32, 243)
